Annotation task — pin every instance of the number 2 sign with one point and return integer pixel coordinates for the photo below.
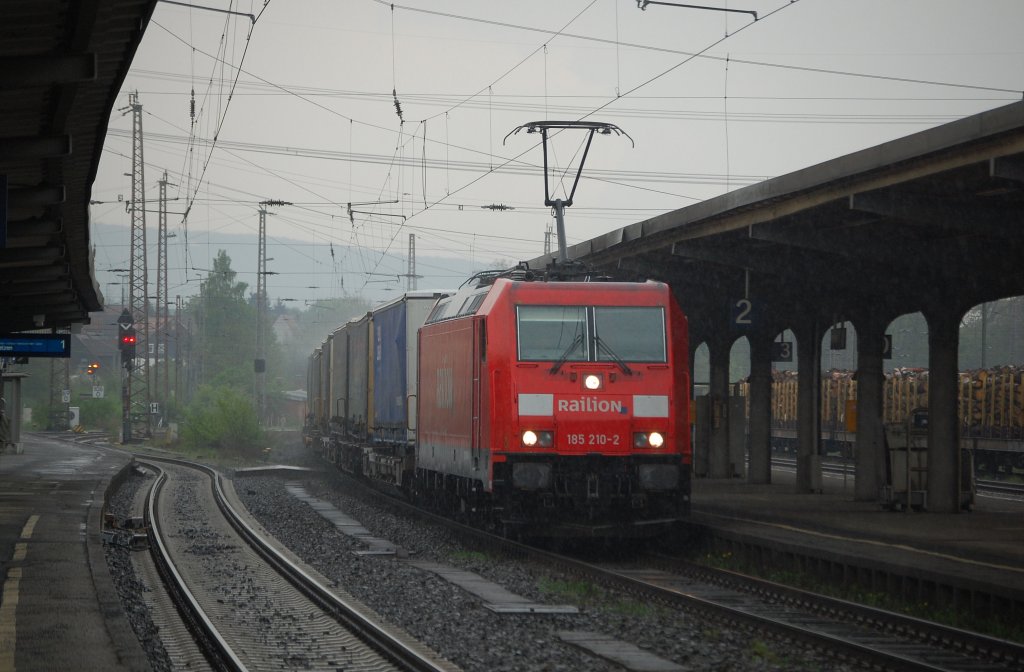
(743, 313)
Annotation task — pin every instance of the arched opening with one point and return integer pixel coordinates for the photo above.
(739, 406)
(701, 369)
(700, 390)
(838, 394)
(991, 387)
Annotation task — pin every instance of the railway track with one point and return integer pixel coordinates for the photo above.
(248, 604)
(879, 638)
(1004, 488)
(984, 486)
(850, 632)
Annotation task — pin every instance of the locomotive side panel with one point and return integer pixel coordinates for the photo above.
(447, 395)
(679, 338)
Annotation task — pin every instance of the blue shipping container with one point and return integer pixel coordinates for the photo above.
(390, 382)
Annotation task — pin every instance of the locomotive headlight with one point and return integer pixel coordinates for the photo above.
(648, 440)
(539, 439)
(592, 381)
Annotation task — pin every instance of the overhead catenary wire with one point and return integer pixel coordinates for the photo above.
(702, 54)
(392, 160)
(315, 91)
(553, 32)
(351, 120)
(489, 88)
(223, 115)
(493, 101)
(548, 107)
(427, 206)
(635, 88)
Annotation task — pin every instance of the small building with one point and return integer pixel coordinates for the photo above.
(286, 329)
(293, 408)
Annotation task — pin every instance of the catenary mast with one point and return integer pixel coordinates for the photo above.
(137, 375)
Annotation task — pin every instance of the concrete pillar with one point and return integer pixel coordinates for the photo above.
(719, 449)
(870, 446)
(760, 408)
(943, 419)
(701, 436)
(808, 460)
(701, 417)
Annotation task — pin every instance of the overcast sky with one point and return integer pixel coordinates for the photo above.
(713, 101)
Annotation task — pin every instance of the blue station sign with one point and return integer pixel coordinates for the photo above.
(35, 345)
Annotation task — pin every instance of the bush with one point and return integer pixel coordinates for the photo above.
(224, 420)
(102, 414)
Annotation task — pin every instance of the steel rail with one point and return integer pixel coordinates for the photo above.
(213, 645)
(921, 630)
(378, 638)
(849, 469)
(940, 638)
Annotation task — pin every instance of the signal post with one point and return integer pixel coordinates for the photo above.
(126, 346)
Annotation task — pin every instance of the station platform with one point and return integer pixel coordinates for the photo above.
(59, 609)
(975, 557)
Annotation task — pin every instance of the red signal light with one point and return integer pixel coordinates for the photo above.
(128, 340)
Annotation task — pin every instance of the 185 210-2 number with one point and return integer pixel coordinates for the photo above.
(582, 439)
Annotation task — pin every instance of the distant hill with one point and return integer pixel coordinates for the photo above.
(297, 270)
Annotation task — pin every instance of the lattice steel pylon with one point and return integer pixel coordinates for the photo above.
(260, 363)
(137, 375)
(177, 350)
(161, 379)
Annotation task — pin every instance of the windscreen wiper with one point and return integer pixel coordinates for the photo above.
(611, 353)
(565, 355)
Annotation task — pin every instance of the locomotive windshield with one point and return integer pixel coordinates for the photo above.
(633, 334)
(591, 333)
(553, 333)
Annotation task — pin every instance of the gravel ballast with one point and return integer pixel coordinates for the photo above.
(459, 627)
(445, 617)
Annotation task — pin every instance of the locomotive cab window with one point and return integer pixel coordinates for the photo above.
(591, 333)
(632, 334)
(552, 332)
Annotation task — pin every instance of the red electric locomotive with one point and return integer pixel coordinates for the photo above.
(556, 407)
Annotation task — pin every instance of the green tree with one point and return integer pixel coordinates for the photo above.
(224, 341)
(222, 419)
